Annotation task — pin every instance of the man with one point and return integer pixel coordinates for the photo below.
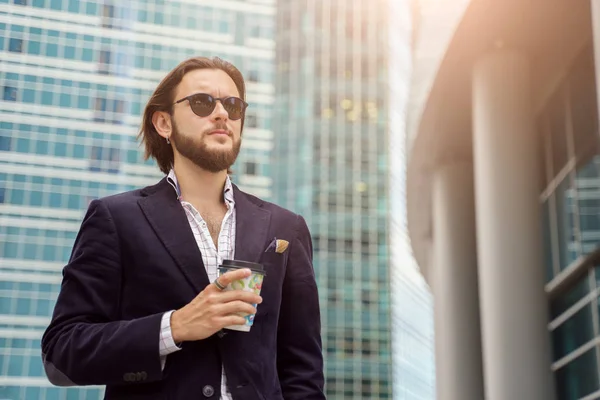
(141, 309)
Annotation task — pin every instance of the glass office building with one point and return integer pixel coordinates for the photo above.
(504, 199)
(331, 166)
(74, 78)
(412, 323)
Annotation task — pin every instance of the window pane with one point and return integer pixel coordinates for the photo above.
(15, 45)
(567, 244)
(563, 302)
(547, 236)
(588, 192)
(578, 378)
(573, 333)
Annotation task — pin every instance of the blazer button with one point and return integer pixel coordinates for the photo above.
(208, 391)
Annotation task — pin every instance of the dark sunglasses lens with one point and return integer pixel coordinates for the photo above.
(235, 107)
(202, 104)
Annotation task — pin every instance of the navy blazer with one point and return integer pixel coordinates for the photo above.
(134, 258)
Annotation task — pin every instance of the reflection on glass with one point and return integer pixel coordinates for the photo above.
(563, 302)
(548, 259)
(573, 333)
(578, 378)
(588, 192)
(565, 210)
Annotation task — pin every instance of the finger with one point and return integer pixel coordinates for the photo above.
(235, 307)
(234, 275)
(233, 295)
(229, 277)
(228, 320)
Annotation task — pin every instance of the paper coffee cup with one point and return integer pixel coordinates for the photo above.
(253, 284)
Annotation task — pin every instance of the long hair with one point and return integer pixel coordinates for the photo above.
(163, 98)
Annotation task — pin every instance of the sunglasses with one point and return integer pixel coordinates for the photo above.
(203, 105)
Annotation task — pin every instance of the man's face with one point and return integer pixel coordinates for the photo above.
(212, 142)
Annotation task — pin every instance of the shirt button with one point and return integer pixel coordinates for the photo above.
(208, 391)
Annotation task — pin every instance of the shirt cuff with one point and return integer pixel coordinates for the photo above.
(167, 345)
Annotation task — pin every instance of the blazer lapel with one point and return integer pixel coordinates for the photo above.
(252, 224)
(168, 219)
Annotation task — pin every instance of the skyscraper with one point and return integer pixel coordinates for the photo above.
(331, 158)
(74, 78)
(412, 316)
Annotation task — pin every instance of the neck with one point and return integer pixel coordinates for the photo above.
(199, 186)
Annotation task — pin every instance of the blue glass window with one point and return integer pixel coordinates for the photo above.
(69, 52)
(87, 54)
(15, 365)
(41, 147)
(5, 143)
(60, 149)
(23, 145)
(91, 8)
(23, 306)
(47, 98)
(55, 199)
(10, 93)
(74, 6)
(36, 198)
(56, 4)
(33, 392)
(79, 151)
(20, 2)
(28, 96)
(17, 196)
(73, 202)
(2, 194)
(65, 100)
(15, 45)
(51, 50)
(33, 47)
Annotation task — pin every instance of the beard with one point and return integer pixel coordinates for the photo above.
(197, 151)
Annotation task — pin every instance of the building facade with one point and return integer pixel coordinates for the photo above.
(413, 371)
(503, 195)
(336, 96)
(74, 79)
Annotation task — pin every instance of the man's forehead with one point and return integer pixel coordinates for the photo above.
(210, 81)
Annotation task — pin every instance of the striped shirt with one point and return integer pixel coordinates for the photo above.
(211, 256)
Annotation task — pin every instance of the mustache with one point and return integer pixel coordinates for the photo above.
(219, 126)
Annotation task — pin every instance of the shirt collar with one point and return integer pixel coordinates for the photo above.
(227, 190)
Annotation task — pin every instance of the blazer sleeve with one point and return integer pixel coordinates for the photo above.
(86, 343)
(299, 349)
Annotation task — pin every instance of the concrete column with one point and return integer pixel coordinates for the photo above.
(516, 343)
(454, 282)
(595, 4)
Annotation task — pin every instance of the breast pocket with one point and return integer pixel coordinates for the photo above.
(274, 264)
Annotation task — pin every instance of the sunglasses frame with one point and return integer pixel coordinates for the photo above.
(221, 99)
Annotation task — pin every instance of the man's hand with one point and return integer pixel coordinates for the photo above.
(213, 309)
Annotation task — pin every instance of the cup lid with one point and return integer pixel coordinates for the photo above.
(238, 264)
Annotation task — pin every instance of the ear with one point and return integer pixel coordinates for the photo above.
(162, 123)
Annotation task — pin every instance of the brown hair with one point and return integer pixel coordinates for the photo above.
(163, 98)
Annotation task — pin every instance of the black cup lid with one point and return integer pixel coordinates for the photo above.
(238, 264)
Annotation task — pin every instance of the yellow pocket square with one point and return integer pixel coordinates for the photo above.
(281, 245)
(277, 246)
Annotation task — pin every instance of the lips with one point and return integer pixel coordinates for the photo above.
(219, 132)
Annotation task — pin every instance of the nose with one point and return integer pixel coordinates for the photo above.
(219, 113)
